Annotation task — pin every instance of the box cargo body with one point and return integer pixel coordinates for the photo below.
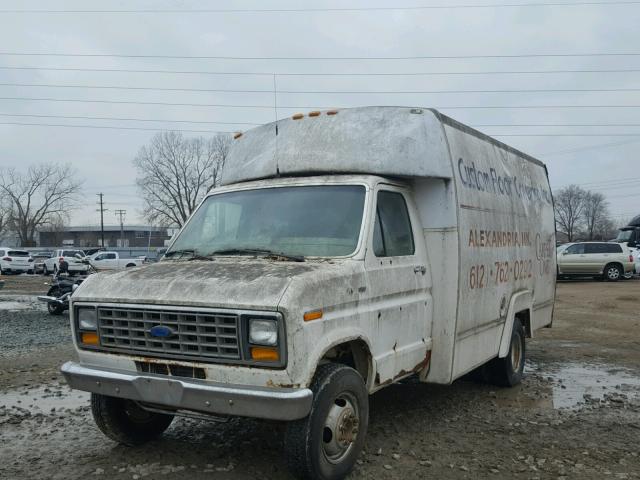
(485, 209)
(384, 242)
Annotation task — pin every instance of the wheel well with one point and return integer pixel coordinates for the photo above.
(617, 264)
(354, 354)
(525, 319)
(131, 264)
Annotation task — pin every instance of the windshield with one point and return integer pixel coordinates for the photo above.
(315, 221)
(624, 235)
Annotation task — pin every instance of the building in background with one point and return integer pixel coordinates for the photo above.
(131, 236)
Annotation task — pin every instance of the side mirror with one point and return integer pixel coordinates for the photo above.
(632, 244)
(565, 253)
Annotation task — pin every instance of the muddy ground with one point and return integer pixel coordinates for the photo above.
(576, 415)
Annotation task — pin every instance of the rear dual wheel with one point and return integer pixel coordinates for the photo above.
(508, 371)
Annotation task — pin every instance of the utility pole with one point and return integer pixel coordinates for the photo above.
(121, 214)
(102, 210)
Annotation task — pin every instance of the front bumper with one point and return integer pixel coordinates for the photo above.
(192, 394)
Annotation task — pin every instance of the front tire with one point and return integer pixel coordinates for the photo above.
(326, 444)
(126, 422)
(508, 371)
(612, 273)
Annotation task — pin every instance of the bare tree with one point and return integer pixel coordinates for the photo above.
(175, 172)
(4, 216)
(569, 206)
(596, 212)
(36, 197)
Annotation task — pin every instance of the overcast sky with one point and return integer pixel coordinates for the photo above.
(103, 155)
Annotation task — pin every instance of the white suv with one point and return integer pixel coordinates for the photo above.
(603, 260)
(15, 261)
(70, 256)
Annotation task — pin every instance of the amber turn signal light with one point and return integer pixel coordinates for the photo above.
(89, 338)
(313, 315)
(264, 354)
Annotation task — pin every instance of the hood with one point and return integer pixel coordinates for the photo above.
(238, 282)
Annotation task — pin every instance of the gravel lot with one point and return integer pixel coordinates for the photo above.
(576, 415)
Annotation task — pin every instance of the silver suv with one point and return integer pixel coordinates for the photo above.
(602, 260)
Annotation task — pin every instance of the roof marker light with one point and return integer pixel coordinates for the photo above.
(237, 135)
(332, 112)
(314, 114)
(298, 116)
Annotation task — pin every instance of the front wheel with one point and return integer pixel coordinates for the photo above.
(125, 421)
(508, 371)
(326, 444)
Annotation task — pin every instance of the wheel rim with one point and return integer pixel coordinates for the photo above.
(613, 273)
(516, 353)
(340, 428)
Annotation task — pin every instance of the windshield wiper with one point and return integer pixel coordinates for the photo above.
(187, 251)
(258, 251)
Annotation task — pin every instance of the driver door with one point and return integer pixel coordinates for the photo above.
(399, 285)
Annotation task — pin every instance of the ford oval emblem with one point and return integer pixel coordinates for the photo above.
(161, 331)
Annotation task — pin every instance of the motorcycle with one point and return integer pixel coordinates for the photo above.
(61, 288)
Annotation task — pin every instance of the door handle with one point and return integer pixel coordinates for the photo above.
(420, 269)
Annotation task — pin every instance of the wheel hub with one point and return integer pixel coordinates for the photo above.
(340, 429)
(516, 353)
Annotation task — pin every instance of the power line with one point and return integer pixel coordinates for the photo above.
(323, 74)
(553, 124)
(304, 107)
(132, 119)
(565, 135)
(589, 147)
(321, 92)
(228, 132)
(329, 9)
(111, 128)
(167, 120)
(613, 180)
(412, 57)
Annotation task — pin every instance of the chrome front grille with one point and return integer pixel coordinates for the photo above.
(195, 334)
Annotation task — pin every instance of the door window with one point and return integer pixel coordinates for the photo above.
(577, 249)
(392, 234)
(110, 256)
(595, 248)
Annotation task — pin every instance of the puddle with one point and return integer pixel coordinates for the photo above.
(574, 385)
(14, 303)
(44, 399)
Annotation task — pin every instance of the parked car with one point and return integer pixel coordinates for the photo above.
(15, 261)
(113, 261)
(602, 260)
(38, 260)
(71, 256)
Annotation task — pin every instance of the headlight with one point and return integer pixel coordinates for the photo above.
(263, 332)
(87, 318)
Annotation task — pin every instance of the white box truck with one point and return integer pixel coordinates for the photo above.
(345, 251)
